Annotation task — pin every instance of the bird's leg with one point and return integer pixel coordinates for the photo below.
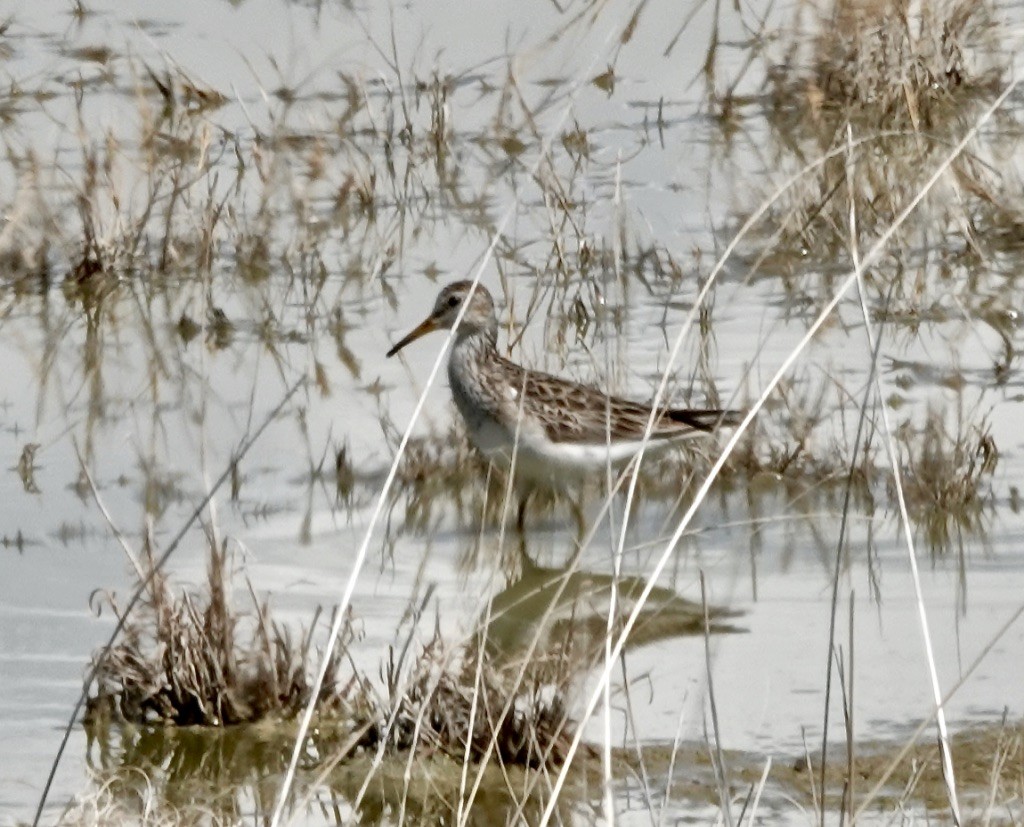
(521, 516)
(522, 545)
(581, 520)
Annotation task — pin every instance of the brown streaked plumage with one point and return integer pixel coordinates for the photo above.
(559, 430)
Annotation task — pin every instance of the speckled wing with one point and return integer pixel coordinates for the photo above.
(571, 412)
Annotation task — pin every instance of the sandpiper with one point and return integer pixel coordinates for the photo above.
(559, 431)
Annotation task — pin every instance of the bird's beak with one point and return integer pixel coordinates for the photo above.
(426, 326)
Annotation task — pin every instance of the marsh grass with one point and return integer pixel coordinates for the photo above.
(193, 713)
(190, 658)
(893, 65)
(949, 476)
(902, 80)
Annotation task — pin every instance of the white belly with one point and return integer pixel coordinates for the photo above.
(540, 461)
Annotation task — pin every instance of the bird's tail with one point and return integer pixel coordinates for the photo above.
(704, 419)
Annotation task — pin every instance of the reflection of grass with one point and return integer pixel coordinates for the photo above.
(158, 777)
(150, 777)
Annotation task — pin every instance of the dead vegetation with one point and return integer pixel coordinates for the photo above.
(892, 65)
(193, 659)
(870, 95)
(949, 476)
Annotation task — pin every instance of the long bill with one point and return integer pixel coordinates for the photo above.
(426, 326)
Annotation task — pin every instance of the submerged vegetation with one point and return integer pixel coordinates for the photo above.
(184, 251)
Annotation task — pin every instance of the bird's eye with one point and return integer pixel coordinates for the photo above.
(453, 301)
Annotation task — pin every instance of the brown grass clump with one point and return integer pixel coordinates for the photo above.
(478, 712)
(191, 659)
(897, 65)
(948, 475)
(879, 91)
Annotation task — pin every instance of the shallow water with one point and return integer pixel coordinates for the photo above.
(156, 413)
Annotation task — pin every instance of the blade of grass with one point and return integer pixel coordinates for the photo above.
(721, 775)
(908, 538)
(875, 350)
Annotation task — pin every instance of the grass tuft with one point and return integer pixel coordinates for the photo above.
(897, 65)
(191, 659)
(948, 480)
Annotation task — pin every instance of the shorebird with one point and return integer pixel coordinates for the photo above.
(559, 432)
